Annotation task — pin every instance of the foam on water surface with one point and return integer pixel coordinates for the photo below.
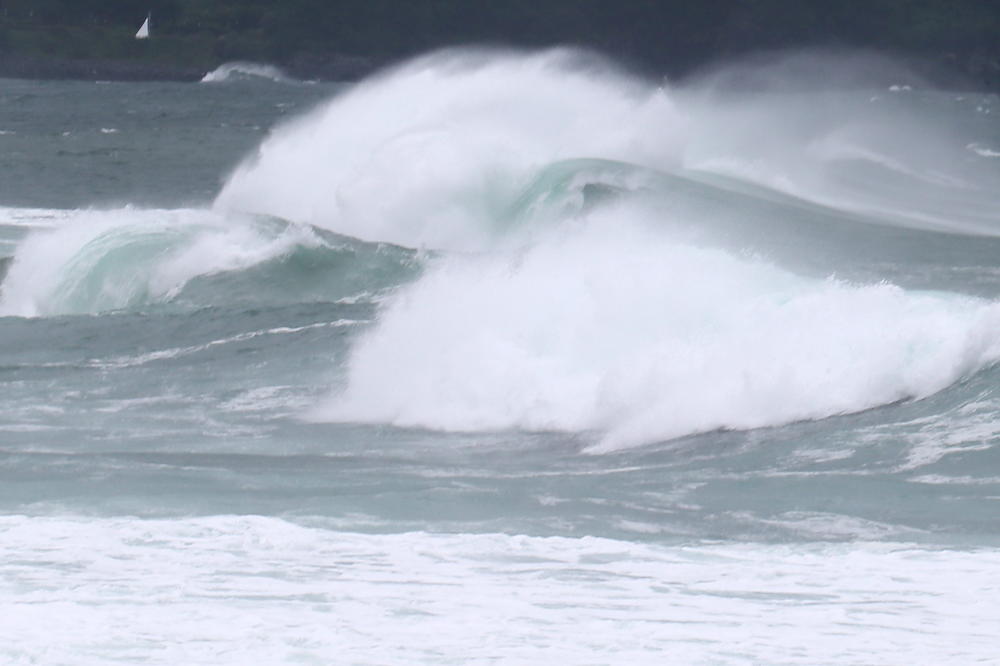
(227, 590)
(616, 329)
(773, 311)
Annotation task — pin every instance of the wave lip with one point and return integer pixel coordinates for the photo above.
(431, 154)
(427, 154)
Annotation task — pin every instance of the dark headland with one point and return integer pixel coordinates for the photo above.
(956, 40)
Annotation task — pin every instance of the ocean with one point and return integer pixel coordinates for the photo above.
(499, 358)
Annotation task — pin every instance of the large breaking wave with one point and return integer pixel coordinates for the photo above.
(610, 255)
(431, 152)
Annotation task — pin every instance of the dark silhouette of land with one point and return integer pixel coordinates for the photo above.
(345, 39)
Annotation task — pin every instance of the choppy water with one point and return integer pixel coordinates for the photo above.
(498, 359)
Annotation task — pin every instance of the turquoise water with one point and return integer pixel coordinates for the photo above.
(494, 359)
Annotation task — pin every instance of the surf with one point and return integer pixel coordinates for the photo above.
(644, 333)
(557, 244)
(616, 331)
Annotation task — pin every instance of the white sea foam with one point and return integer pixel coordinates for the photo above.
(33, 217)
(931, 438)
(267, 401)
(613, 328)
(238, 590)
(174, 352)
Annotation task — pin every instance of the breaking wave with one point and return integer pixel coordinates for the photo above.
(614, 329)
(245, 71)
(607, 255)
(429, 153)
(119, 259)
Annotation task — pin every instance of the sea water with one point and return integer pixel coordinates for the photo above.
(499, 358)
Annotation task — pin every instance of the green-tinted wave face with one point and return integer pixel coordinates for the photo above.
(569, 187)
(140, 259)
(337, 268)
(113, 271)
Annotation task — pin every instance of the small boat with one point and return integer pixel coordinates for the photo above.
(143, 29)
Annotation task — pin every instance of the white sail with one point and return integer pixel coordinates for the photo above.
(143, 30)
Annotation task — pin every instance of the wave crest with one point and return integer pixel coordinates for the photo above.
(430, 154)
(242, 71)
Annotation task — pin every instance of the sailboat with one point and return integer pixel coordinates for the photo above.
(143, 29)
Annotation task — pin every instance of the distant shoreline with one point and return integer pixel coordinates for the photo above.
(955, 42)
(325, 68)
(350, 68)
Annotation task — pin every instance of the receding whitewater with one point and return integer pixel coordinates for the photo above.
(499, 359)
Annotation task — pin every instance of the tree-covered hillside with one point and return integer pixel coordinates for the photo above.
(671, 36)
